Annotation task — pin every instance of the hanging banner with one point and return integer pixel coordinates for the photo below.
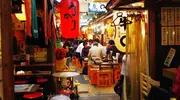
(45, 18)
(34, 20)
(28, 17)
(69, 10)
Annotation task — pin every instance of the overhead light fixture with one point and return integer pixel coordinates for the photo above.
(21, 16)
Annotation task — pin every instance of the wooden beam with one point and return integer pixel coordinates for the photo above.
(6, 45)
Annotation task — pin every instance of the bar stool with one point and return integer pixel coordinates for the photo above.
(21, 81)
(33, 96)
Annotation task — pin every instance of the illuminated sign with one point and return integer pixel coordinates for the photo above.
(96, 7)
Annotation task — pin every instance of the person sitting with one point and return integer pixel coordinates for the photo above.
(113, 48)
(95, 51)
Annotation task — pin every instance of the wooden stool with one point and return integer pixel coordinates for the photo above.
(33, 96)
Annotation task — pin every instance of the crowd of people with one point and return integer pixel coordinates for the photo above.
(89, 49)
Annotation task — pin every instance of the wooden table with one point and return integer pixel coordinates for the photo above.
(170, 73)
(25, 88)
(29, 73)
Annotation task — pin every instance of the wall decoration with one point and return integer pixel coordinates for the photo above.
(170, 26)
(169, 57)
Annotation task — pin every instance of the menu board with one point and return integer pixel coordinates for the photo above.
(170, 26)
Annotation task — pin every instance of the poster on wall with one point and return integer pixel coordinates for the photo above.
(164, 35)
(177, 31)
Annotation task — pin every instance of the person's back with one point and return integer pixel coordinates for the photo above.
(95, 51)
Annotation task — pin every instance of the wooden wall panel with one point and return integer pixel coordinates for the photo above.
(6, 41)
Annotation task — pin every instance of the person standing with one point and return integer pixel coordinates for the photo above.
(118, 88)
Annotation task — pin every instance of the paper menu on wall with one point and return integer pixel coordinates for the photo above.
(169, 57)
(164, 35)
(164, 16)
(171, 34)
(177, 33)
(170, 16)
(177, 15)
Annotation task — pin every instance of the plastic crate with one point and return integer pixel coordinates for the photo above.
(89, 71)
(116, 75)
(78, 64)
(104, 78)
(93, 76)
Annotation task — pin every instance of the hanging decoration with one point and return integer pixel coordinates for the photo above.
(28, 17)
(45, 17)
(34, 20)
(69, 10)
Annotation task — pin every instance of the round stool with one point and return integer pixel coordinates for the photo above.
(59, 97)
(33, 96)
(21, 81)
(42, 80)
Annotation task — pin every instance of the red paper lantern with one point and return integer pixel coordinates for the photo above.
(69, 10)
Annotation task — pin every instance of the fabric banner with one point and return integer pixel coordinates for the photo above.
(45, 17)
(28, 17)
(34, 20)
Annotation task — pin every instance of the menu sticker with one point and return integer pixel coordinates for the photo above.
(164, 35)
(170, 16)
(177, 15)
(177, 32)
(169, 57)
(164, 18)
(171, 34)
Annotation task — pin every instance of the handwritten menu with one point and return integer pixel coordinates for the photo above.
(170, 26)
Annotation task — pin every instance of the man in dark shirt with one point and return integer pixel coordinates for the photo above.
(113, 49)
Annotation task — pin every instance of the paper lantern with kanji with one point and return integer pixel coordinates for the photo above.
(69, 10)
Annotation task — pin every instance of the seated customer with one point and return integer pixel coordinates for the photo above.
(95, 51)
(113, 48)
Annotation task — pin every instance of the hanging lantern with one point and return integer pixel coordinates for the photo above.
(69, 10)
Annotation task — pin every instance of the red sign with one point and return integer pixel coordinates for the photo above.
(69, 10)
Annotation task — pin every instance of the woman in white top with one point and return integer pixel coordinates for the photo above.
(118, 88)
